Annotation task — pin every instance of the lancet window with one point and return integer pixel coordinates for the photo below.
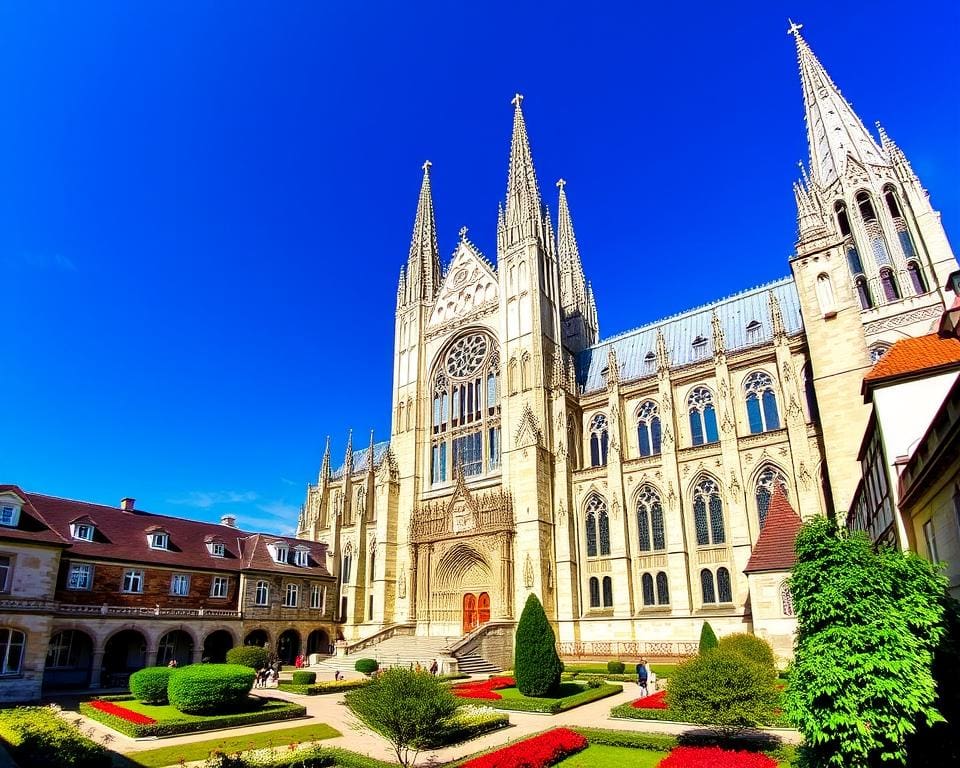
(872, 228)
(599, 438)
(768, 479)
(916, 278)
(607, 592)
(899, 224)
(891, 292)
(660, 596)
(650, 520)
(703, 417)
(594, 592)
(863, 293)
(648, 428)
(720, 591)
(597, 527)
(708, 512)
(466, 409)
(761, 402)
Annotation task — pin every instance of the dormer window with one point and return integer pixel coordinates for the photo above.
(159, 540)
(650, 362)
(699, 346)
(753, 329)
(217, 549)
(82, 531)
(301, 556)
(9, 514)
(281, 553)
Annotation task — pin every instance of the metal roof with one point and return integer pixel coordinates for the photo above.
(636, 349)
(360, 459)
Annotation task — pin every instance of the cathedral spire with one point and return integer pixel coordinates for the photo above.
(325, 465)
(834, 132)
(370, 466)
(573, 293)
(423, 264)
(348, 459)
(523, 215)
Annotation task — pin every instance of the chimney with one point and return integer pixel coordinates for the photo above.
(229, 520)
(127, 504)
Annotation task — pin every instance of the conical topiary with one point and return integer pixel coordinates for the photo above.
(537, 666)
(708, 640)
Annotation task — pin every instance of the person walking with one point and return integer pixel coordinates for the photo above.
(434, 667)
(642, 676)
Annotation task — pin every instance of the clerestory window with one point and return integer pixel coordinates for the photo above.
(597, 527)
(650, 520)
(703, 417)
(761, 402)
(708, 513)
(648, 428)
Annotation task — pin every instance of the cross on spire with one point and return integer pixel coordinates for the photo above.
(561, 183)
(426, 165)
(794, 28)
(517, 98)
(463, 233)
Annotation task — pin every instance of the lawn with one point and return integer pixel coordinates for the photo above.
(200, 750)
(603, 756)
(565, 689)
(568, 696)
(600, 668)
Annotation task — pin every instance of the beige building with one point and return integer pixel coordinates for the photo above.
(626, 482)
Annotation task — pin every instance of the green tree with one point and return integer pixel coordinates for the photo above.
(405, 707)
(868, 623)
(708, 639)
(749, 646)
(724, 691)
(536, 665)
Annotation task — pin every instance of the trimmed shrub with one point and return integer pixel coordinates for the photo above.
(40, 738)
(708, 638)
(466, 723)
(304, 678)
(207, 688)
(367, 666)
(723, 691)
(149, 685)
(750, 647)
(616, 667)
(252, 656)
(327, 686)
(537, 666)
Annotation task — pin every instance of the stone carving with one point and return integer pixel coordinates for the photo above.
(402, 583)
(528, 432)
(671, 495)
(666, 439)
(549, 576)
(470, 285)
(805, 478)
(561, 514)
(917, 315)
(528, 572)
(615, 509)
(734, 485)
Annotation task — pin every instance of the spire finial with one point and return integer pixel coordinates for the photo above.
(794, 28)
(426, 166)
(561, 183)
(463, 233)
(517, 100)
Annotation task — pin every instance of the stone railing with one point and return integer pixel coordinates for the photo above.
(142, 612)
(617, 649)
(25, 604)
(347, 649)
(470, 641)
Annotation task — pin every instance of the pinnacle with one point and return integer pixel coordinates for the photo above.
(423, 262)
(523, 211)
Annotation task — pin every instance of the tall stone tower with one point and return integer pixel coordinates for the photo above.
(871, 260)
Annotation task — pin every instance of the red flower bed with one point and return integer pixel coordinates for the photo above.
(483, 689)
(122, 712)
(715, 757)
(656, 700)
(540, 751)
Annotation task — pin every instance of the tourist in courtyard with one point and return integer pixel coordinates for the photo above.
(642, 676)
(434, 668)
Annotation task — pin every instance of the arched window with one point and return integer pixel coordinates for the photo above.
(512, 375)
(761, 402)
(597, 521)
(646, 582)
(724, 591)
(843, 224)
(594, 592)
(663, 592)
(786, 599)
(648, 428)
(769, 478)
(706, 586)
(703, 417)
(599, 437)
(607, 592)
(650, 520)
(525, 377)
(708, 512)
(843, 221)
(889, 284)
(916, 278)
(12, 642)
(899, 224)
(825, 294)
(466, 409)
(400, 421)
(863, 293)
(872, 228)
(345, 569)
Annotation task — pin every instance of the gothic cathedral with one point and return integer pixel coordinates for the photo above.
(626, 482)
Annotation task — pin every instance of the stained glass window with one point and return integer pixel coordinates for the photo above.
(663, 593)
(761, 402)
(889, 284)
(599, 435)
(591, 525)
(706, 499)
(706, 586)
(648, 428)
(916, 278)
(766, 481)
(703, 417)
(607, 592)
(724, 592)
(594, 592)
(647, 583)
(604, 532)
(650, 520)
(863, 293)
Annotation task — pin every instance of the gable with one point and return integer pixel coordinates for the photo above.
(469, 287)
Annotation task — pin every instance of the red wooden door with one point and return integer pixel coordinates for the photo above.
(483, 608)
(469, 613)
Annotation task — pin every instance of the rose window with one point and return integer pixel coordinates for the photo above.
(466, 356)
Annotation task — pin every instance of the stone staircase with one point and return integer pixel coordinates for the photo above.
(407, 650)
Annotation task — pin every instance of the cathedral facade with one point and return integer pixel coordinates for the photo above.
(624, 481)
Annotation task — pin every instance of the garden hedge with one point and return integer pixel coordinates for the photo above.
(466, 723)
(268, 710)
(204, 688)
(553, 706)
(616, 667)
(367, 666)
(327, 686)
(252, 656)
(149, 685)
(749, 646)
(304, 678)
(38, 737)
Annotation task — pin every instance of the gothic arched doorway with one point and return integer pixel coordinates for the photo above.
(461, 597)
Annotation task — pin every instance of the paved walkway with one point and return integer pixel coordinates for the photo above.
(330, 709)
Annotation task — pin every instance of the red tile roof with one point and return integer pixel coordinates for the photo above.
(911, 356)
(122, 536)
(774, 548)
(31, 527)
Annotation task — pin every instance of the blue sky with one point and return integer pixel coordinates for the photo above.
(204, 206)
